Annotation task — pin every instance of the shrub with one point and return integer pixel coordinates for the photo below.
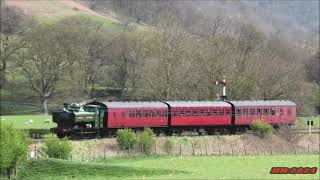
(37, 133)
(58, 148)
(126, 138)
(146, 140)
(261, 128)
(168, 145)
(14, 148)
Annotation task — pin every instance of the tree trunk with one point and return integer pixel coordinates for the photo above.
(44, 104)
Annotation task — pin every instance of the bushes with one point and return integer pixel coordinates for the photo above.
(168, 145)
(126, 138)
(146, 140)
(58, 148)
(261, 128)
(37, 133)
(14, 148)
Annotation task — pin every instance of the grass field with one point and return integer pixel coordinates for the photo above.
(302, 122)
(29, 121)
(197, 167)
(38, 121)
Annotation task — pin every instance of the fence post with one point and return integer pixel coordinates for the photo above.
(206, 149)
(282, 149)
(129, 150)
(270, 150)
(244, 148)
(308, 149)
(295, 150)
(155, 149)
(256, 149)
(94, 154)
(104, 153)
(180, 151)
(232, 149)
(193, 150)
(219, 150)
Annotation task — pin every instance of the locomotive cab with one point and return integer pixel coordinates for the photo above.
(74, 120)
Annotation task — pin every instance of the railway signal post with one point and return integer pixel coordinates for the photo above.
(310, 124)
(224, 84)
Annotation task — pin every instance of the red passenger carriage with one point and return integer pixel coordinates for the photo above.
(200, 113)
(136, 114)
(274, 112)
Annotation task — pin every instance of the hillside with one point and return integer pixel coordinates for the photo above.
(46, 9)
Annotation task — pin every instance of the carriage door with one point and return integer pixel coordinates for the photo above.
(123, 118)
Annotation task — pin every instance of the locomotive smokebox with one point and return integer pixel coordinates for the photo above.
(63, 118)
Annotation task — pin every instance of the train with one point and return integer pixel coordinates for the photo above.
(104, 118)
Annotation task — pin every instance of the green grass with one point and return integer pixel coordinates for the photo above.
(198, 167)
(105, 22)
(302, 122)
(24, 121)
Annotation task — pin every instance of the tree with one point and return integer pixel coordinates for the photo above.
(168, 58)
(11, 26)
(58, 148)
(90, 45)
(14, 148)
(42, 60)
(312, 68)
(127, 61)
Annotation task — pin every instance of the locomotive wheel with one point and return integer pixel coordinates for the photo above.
(60, 135)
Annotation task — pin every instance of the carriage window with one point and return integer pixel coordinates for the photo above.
(114, 114)
(259, 112)
(245, 111)
(145, 113)
(151, 113)
(214, 112)
(281, 111)
(238, 112)
(188, 113)
(182, 113)
(272, 111)
(208, 112)
(158, 113)
(175, 113)
(289, 111)
(265, 111)
(138, 114)
(221, 112)
(195, 113)
(164, 113)
(228, 112)
(202, 112)
(252, 111)
(132, 114)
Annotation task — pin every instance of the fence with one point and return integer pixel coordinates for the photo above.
(218, 146)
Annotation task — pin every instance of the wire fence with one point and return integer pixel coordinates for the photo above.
(17, 108)
(241, 147)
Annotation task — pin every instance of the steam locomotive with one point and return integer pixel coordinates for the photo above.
(169, 117)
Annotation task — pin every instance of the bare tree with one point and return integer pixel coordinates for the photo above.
(313, 69)
(90, 45)
(42, 60)
(11, 26)
(167, 56)
(127, 61)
